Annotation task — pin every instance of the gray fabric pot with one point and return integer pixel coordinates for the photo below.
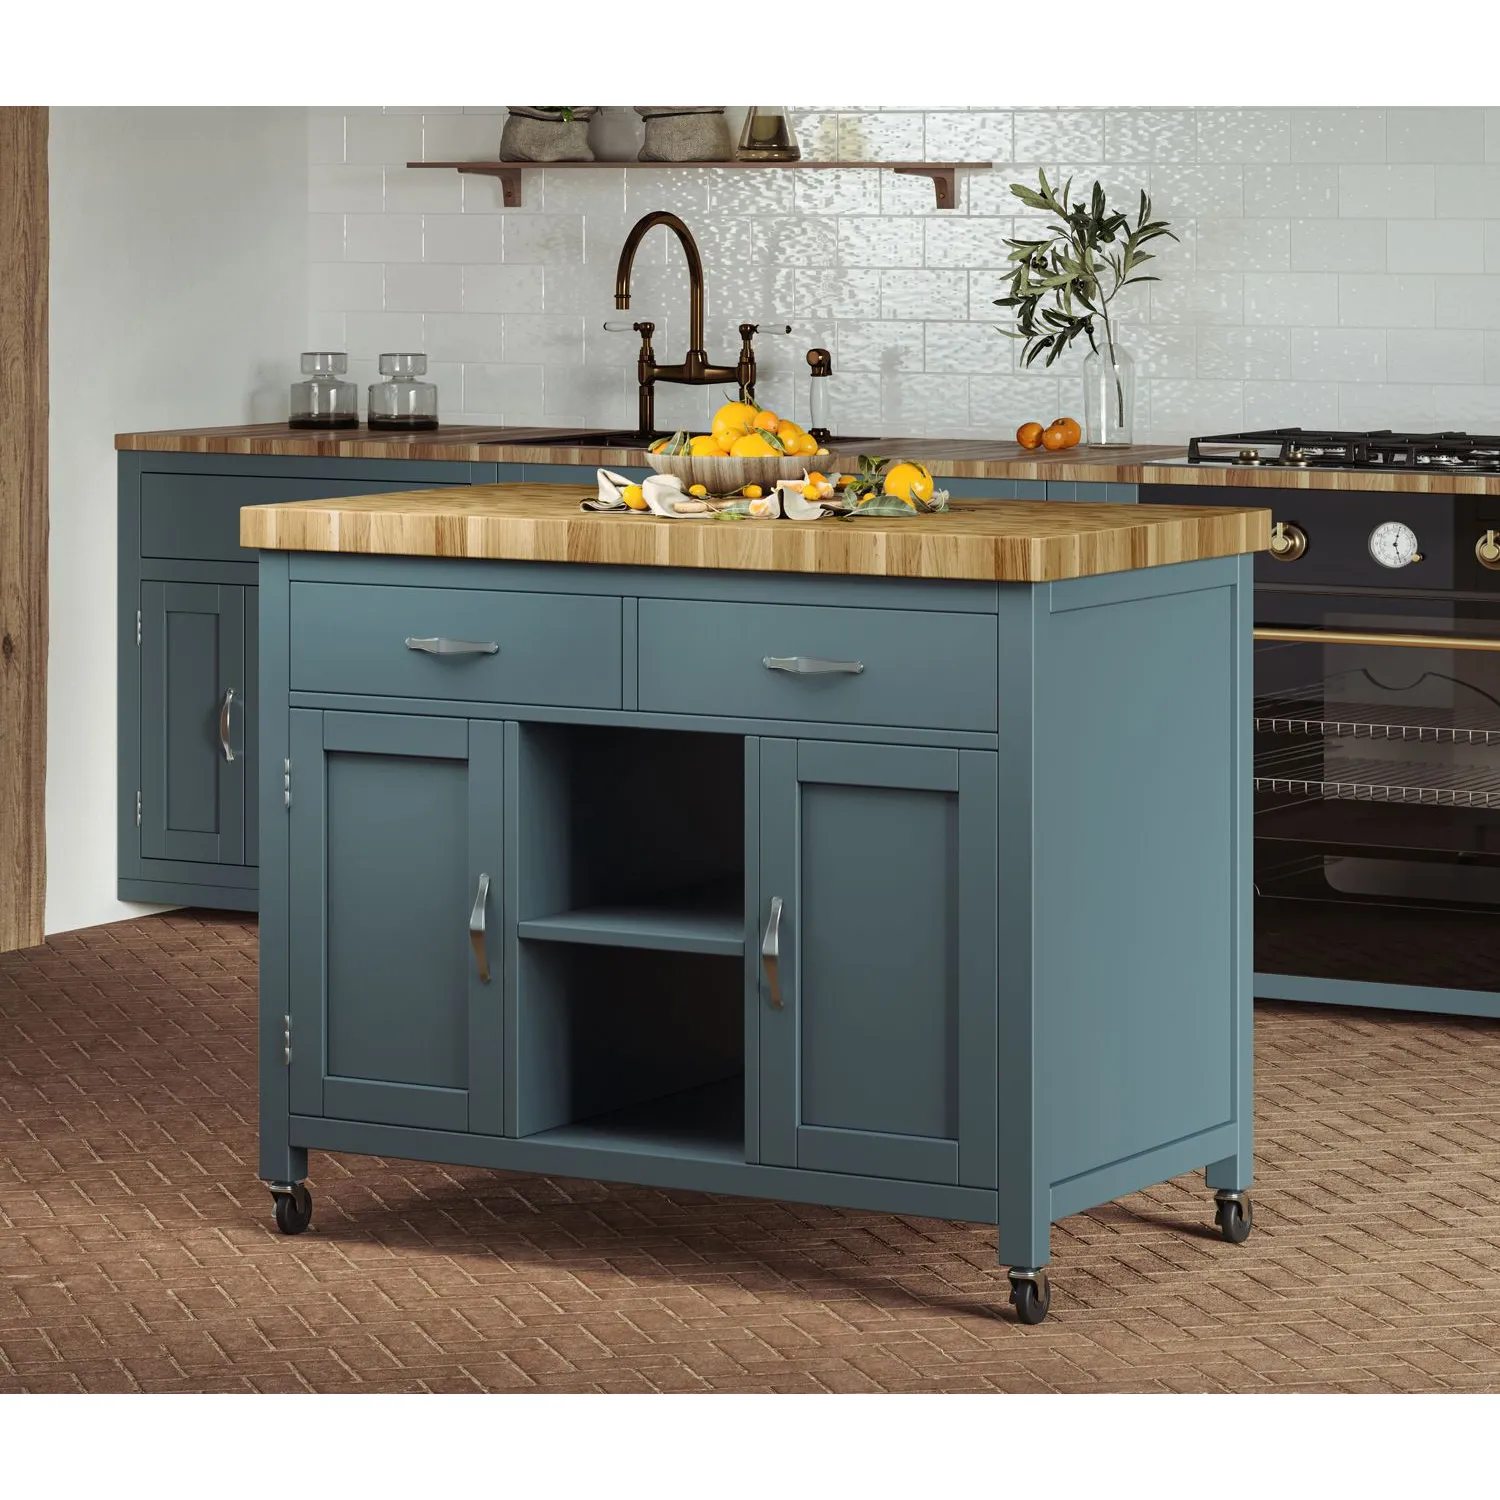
(699, 133)
(543, 135)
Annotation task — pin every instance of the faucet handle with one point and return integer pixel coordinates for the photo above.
(613, 327)
(749, 329)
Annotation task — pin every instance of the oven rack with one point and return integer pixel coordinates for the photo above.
(1305, 711)
(1378, 781)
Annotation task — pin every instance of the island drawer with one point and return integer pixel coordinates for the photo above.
(469, 644)
(915, 669)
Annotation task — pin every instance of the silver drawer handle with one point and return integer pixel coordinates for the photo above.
(476, 928)
(440, 645)
(224, 744)
(810, 664)
(770, 952)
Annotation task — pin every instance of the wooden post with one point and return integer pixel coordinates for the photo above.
(23, 524)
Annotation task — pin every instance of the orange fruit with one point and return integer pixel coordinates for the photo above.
(755, 445)
(732, 420)
(1054, 438)
(767, 421)
(1071, 430)
(752, 492)
(790, 434)
(1029, 434)
(909, 482)
(704, 446)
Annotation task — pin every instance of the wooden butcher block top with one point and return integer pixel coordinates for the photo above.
(1006, 541)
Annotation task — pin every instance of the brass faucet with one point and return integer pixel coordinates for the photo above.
(695, 368)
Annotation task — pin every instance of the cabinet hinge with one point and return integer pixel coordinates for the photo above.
(137, 627)
(286, 783)
(286, 1040)
(137, 809)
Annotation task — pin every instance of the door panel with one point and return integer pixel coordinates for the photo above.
(881, 1059)
(192, 657)
(394, 818)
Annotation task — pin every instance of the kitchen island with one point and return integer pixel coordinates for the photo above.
(822, 861)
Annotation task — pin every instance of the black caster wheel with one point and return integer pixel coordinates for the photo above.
(293, 1208)
(1234, 1217)
(1031, 1296)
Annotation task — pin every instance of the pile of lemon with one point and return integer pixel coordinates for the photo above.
(741, 429)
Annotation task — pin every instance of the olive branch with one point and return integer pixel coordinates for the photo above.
(1078, 267)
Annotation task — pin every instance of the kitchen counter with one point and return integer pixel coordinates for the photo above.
(949, 458)
(1017, 542)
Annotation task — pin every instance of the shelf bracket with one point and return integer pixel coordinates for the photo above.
(944, 182)
(510, 179)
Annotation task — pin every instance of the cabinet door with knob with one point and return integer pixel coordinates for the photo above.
(196, 735)
(395, 829)
(876, 952)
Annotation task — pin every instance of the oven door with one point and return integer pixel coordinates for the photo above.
(1377, 790)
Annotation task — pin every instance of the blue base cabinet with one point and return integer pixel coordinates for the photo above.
(618, 900)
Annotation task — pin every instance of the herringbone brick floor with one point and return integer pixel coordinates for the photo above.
(137, 1252)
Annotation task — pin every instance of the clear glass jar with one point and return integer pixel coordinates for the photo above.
(323, 400)
(1108, 396)
(401, 401)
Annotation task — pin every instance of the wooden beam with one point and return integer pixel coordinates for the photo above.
(23, 524)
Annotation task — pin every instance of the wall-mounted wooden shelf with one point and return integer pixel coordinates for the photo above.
(944, 174)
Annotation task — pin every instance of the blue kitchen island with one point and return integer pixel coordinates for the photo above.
(892, 864)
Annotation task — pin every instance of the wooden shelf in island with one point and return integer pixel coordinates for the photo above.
(944, 174)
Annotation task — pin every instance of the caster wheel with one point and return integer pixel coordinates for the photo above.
(1235, 1219)
(293, 1210)
(1031, 1299)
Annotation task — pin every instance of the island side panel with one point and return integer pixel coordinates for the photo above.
(1140, 990)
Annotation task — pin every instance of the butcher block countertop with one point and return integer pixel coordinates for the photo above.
(949, 458)
(1011, 542)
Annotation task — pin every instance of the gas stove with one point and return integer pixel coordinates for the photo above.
(1308, 448)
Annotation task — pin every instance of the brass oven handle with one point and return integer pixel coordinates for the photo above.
(1288, 541)
(1487, 550)
(810, 664)
(440, 645)
(1376, 638)
(224, 744)
(770, 952)
(476, 927)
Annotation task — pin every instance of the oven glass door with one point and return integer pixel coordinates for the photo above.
(1377, 790)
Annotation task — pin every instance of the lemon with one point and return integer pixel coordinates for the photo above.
(752, 492)
(909, 482)
(755, 445)
(633, 496)
(698, 489)
(733, 419)
(705, 447)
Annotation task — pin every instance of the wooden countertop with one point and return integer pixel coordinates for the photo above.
(950, 458)
(1010, 541)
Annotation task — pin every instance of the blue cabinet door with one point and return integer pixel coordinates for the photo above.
(195, 738)
(395, 829)
(879, 1058)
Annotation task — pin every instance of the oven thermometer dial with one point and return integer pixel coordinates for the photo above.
(1393, 545)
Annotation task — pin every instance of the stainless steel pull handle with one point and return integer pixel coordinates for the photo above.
(224, 744)
(810, 664)
(440, 645)
(1376, 638)
(770, 952)
(476, 927)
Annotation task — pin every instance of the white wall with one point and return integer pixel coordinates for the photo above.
(1337, 266)
(178, 298)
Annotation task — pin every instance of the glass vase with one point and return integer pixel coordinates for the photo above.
(1108, 397)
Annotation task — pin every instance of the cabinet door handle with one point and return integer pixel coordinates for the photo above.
(770, 952)
(224, 744)
(476, 927)
(808, 664)
(440, 645)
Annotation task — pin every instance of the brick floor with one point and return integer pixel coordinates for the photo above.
(137, 1253)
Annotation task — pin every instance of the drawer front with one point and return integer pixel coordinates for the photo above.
(554, 649)
(198, 515)
(921, 669)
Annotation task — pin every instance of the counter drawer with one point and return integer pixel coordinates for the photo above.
(558, 649)
(919, 669)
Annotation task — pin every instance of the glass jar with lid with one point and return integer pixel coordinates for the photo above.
(323, 400)
(401, 401)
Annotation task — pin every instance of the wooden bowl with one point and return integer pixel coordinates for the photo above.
(722, 476)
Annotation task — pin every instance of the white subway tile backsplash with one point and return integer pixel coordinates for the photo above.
(1442, 134)
(1336, 265)
(1419, 245)
(1340, 135)
(1387, 192)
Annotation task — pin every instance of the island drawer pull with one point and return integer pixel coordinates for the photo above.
(476, 927)
(770, 952)
(440, 645)
(810, 664)
(224, 744)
